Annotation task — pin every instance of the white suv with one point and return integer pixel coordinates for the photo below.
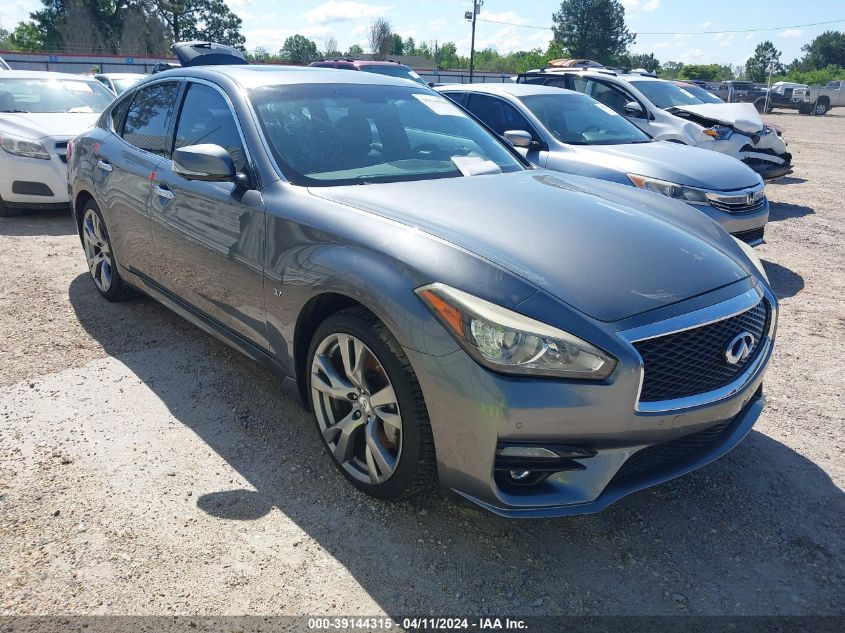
(39, 113)
(668, 112)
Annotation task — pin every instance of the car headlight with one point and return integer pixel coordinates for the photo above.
(22, 146)
(718, 132)
(671, 189)
(509, 342)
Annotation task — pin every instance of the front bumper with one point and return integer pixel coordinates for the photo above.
(474, 412)
(766, 154)
(34, 183)
(739, 224)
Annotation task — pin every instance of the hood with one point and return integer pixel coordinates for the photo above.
(608, 250)
(36, 126)
(742, 116)
(672, 162)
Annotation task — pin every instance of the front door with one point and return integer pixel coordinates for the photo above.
(209, 236)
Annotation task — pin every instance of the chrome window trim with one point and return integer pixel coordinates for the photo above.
(693, 320)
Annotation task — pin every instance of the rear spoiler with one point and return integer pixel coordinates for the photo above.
(207, 54)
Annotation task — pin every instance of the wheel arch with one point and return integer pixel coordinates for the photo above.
(83, 196)
(316, 310)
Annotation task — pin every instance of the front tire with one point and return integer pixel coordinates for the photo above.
(368, 406)
(100, 256)
(821, 108)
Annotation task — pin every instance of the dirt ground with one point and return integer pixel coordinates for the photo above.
(147, 469)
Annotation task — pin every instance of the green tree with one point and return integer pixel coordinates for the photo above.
(355, 51)
(200, 20)
(447, 56)
(26, 37)
(641, 60)
(765, 56)
(671, 70)
(397, 45)
(705, 72)
(299, 50)
(828, 49)
(594, 29)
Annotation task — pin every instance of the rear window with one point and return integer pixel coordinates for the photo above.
(403, 72)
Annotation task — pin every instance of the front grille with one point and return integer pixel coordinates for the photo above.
(661, 456)
(694, 361)
(739, 207)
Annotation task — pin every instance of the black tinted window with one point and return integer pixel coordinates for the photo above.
(497, 114)
(148, 116)
(207, 118)
(118, 113)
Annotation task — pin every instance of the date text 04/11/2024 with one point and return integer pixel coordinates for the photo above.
(418, 624)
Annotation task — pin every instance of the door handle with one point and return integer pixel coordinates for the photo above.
(104, 165)
(163, 192)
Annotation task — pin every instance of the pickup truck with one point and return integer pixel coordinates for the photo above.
(737, 91)
(785, 95)
(831, 96)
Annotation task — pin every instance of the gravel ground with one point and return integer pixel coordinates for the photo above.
(147, 469)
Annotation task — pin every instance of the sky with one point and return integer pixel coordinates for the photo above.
(657, 22)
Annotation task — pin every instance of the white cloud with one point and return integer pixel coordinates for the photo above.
(343, 12)
(750, 36)
(705, 25)
(17, 11)
(791, 33)
(693, 55)
(640, 5)
(723, 39)
(507, 16)
(239, 3)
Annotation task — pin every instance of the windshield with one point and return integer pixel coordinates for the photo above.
(122, 85)
(53, 95)
(403, 72)
(340, 134)
(579, 120)
(666, 95)
(702, 95)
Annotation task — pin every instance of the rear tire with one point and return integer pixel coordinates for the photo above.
(368, 406)
(99, 255)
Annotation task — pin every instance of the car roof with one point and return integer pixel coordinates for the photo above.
(517, 90)
(43, 74)
(120, 75)
(256, 75)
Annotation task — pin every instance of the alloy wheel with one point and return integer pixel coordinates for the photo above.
(356, 407)
(97, 250)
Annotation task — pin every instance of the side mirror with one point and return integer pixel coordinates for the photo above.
(519, 138)
(204, 162)
(632, 108)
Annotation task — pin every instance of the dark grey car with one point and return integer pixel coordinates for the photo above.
(541, 344)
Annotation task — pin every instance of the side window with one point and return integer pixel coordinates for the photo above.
(497, 114)
(148, 117)
(457, 97)
(556, 82)
(207, 118)
(612, 97)
(118, 114)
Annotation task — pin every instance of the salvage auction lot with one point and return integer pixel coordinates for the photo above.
(147, 469)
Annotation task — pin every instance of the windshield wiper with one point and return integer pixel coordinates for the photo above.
(13, 111)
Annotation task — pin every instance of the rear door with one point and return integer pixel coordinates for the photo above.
(126, 160)
(209, 236)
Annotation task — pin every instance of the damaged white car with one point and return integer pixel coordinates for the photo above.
(667, 112)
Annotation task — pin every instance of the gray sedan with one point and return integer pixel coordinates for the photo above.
(542, 344)
(571, 132)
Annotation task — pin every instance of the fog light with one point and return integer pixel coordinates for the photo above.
(519, 475)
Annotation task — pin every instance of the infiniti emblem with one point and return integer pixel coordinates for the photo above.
(740, 348)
